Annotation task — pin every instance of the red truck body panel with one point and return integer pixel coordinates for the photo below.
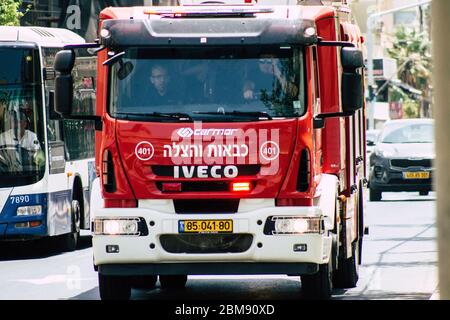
(330, 148)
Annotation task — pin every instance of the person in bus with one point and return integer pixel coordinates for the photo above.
(18, 139)
(18, 134)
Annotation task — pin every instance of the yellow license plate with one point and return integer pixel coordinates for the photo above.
(416, 175)
(205, 226)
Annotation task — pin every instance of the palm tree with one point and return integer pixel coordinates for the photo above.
(412, 50)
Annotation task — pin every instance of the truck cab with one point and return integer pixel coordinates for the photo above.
(229, 142)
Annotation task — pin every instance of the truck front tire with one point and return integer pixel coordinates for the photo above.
(144, 282)
(318, 286)
(114, 287)
(346, 276)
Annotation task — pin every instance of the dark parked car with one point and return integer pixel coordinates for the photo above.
(403, 158)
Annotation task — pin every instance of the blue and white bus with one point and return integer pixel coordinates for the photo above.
(46, 163)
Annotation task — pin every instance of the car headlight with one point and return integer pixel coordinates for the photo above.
(124, 226)
(29, 210)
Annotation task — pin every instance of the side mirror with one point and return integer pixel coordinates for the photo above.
(351, 58)
(125, 70)
(370, 143)
(64, 62)
(352, 82)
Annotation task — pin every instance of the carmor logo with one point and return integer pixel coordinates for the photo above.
(188, 132)
(185, 132)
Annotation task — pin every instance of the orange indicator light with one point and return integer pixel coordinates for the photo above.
(34, 224)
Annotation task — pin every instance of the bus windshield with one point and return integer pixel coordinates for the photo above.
(208, 84)
(22, 159)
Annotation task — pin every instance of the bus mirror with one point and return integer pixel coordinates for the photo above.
(64, 61)
(63, 94)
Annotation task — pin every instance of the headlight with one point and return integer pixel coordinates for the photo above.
(125, 226)
(29, 210)
(294, 225)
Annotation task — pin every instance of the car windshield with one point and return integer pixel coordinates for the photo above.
(208, 84)
(408, 133)
(22, 160)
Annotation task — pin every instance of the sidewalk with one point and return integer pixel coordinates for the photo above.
(435, 295)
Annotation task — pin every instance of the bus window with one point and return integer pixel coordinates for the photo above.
(22, 160)
(79, 135)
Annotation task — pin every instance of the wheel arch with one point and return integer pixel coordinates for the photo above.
(326, 200)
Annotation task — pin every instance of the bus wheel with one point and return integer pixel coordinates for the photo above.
(318, 286)
(173, 282)
(346, 276)
(69, 241)
(144, 282)
(114, 287)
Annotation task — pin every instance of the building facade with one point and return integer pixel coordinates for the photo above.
(383, 35)
(80, 16)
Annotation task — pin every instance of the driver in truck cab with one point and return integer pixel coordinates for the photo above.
(162, 92)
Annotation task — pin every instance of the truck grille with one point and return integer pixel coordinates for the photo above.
(206, 206)
(201, 186)
(206, 243)
(406, 163)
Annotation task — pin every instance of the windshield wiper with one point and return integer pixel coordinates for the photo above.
(175, 116)
(261, 115)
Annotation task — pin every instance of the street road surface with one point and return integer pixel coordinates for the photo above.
(399, 262)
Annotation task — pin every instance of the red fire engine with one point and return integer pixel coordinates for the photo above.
(230, 140)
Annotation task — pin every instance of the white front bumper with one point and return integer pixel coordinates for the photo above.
(264, 248)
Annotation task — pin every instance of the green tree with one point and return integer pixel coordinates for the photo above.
(9, 12)
(412, 50)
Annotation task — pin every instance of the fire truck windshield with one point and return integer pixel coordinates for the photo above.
(22, 156)
(208, 84)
